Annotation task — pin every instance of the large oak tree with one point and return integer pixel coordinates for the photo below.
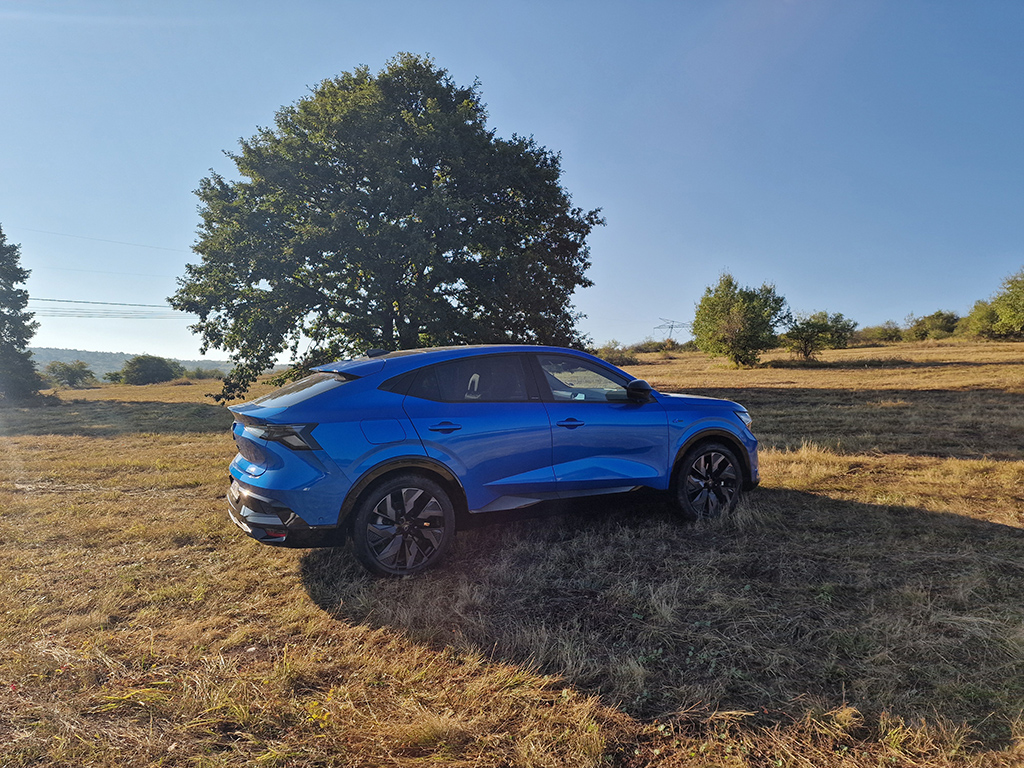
(381, 211)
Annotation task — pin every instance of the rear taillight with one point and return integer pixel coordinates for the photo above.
(298, 437)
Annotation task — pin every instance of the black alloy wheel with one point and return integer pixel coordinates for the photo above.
(403, 526)
(708, 482)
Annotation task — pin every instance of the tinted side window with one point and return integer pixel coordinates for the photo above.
(303, 389)
(399, 384)
(491, 379)
(581, 381)
(425, 385)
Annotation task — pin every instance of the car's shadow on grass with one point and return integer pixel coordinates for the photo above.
(100, 418)
(798, 603)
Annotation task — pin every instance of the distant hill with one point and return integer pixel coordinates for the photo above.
(105, 362)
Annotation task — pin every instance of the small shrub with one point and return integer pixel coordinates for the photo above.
(616, 354)
(650, 346)
(980, 321)
(938, 325)
(809, 334)
(73, 375)
(203, 373)
(886, 333)
(1008, 305)
(149, 369)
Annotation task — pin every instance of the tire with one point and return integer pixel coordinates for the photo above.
(708, 482)
(403, 526)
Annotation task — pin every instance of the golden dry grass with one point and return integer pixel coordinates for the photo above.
(862, 608)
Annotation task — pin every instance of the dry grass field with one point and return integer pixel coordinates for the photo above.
(862, 608)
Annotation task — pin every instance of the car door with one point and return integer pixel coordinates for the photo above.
(600, 439)
(482, 416)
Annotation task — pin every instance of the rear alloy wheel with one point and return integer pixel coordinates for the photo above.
(708, 482)
(404, 525)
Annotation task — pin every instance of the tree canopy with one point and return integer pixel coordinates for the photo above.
(738, 323)
(809, 334)
(381, 211)
(937, 325)
(74, 374)
(18, 377)
(147, 369)
(1008, 306)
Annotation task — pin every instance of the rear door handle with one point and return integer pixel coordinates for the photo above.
(570, 423)
(445, 427)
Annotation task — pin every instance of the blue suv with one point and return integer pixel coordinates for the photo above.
(393, 449)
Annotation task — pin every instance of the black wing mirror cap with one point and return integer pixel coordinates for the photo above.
(639, 391)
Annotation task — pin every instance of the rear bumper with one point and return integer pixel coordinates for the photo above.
(270, 522)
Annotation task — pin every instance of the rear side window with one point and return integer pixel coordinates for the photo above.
(489, 379)
(300, 390)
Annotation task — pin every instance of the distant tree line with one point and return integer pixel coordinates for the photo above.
(739, 323)
(1000, 318)
(150, 369)
(141, 369)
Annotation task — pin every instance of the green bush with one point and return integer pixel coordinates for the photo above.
(616, 354)
(938, 325)
(72, 375)
(649, 346)
(149, 369)
(203, 373)
(980, 321)
(739, 323)
(1008, 305)
(886, 333)
(809, 334)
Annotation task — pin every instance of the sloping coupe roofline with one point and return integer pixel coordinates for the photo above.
(366, 365)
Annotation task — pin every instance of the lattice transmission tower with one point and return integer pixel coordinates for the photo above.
(669, 327)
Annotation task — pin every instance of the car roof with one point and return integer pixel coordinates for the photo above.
(408, 359)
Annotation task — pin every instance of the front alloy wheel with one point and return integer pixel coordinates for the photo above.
(403, 526)
(708, 481)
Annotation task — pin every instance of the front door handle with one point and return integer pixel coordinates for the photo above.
(445, 427)
(570, 423)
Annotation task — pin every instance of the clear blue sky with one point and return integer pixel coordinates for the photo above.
(867, 157)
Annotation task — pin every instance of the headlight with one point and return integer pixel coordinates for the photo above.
(745, 418)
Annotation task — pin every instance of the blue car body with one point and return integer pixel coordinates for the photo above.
(495, 427)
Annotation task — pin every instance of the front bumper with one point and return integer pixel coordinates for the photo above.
(270, 522)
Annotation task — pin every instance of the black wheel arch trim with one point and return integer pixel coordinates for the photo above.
(713, 435)
(405, 463)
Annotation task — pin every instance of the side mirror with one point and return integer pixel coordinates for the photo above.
(639, 391)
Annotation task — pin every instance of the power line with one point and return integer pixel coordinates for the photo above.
(119, 310)
(102, 240)
(110, 315)
(102, 272)
(109, 303)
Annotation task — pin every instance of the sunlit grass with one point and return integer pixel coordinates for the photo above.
(861, 609)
